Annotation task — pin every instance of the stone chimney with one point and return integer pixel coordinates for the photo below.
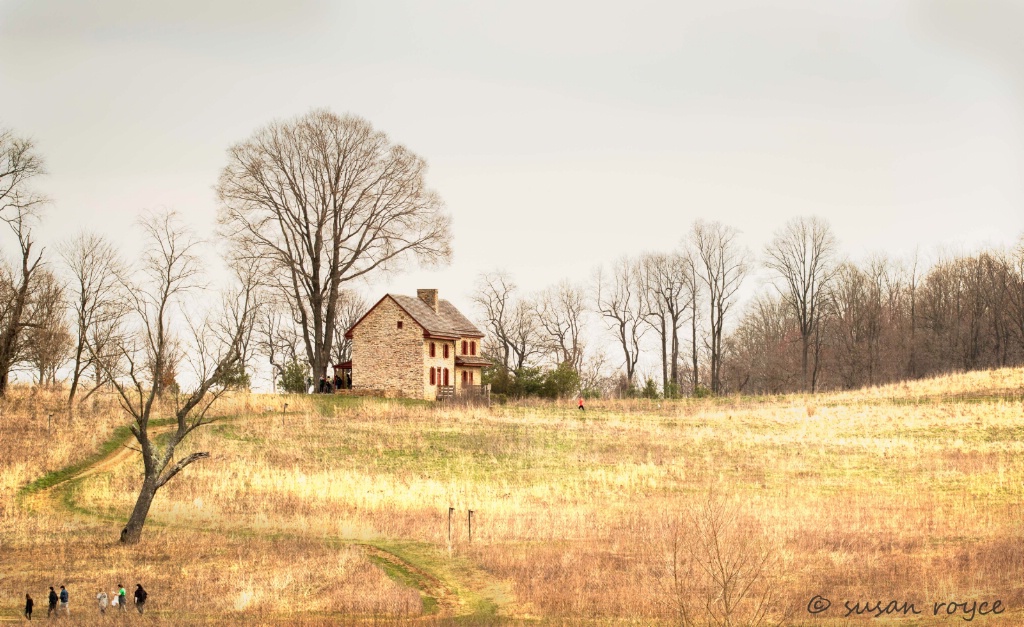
(429, 297)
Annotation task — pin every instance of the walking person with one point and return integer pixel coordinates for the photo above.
(140, 597)
(101, 598)
(28, 606)
(53, 603)
(64, 601)
(122, 598)
(581, 403)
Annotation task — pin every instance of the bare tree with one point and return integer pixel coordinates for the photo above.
(278, 337)
(326, 199)
(170, 271)
(351, 307)
(694, 284)
(761, 358)
(95, 300)
(513, 334)
(722, 266)
(19, 164)
(561, 311)
(1015, 292)
(47, 339)
(619, 300)
(718, 568)
(802, 255)
(667, 292)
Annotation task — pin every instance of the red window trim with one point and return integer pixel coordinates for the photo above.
(433, 350)
(446, 376)
(433, 377)
(445, 351)
(472, 348)
(465, 347)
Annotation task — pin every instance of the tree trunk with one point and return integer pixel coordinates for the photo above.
(133, 530)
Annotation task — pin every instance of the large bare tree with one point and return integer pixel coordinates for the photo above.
(723, 264)
(19, 204)
(325, 199)
(170, 272)
(803, 257)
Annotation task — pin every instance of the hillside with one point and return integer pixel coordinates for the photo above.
(338, 510)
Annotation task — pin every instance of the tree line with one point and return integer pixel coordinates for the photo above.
(820, 322)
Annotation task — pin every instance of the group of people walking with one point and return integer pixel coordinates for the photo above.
(117, 599)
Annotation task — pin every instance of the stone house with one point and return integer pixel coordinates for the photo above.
(416, 347)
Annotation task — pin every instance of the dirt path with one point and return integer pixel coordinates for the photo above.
(441, 597)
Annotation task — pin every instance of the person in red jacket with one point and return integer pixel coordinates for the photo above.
(581, 403)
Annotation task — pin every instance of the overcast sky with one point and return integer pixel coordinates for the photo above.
(560, 134)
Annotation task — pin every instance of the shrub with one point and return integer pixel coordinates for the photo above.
(293, 380)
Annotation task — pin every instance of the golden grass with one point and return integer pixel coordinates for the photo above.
(865, 498)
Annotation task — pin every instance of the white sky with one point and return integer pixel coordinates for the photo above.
(560, 134)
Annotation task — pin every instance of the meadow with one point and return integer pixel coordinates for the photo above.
(886, 501)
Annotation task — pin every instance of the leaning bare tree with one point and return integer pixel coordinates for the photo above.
(169, 275)
(802, 256)
(19, 164)
(722, 265)
(325, 199)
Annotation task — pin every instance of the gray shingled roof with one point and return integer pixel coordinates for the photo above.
(448, 321)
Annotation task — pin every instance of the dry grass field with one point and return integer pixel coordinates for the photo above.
(337, 512)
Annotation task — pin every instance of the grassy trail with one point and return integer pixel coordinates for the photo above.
(450, 590)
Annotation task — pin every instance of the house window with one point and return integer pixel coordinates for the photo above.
(433, 377)
(465, 377)
(446, 351)
(446, 376)
(471, 377)
(465, 346)
(433, 350)
(399, 324)
(472, 348)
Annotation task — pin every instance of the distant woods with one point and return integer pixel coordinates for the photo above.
(815, 321)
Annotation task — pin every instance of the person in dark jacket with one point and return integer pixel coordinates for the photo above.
(140, 597)
(53, 602)
(28, 606)
(64, 601)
